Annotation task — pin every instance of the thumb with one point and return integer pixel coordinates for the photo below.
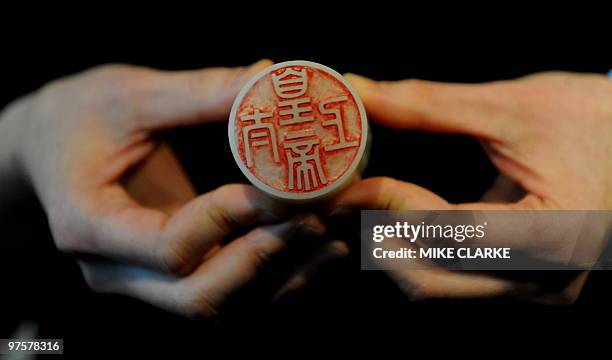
(191, 97)
(472, 109)
(558, 236)
(385, 193)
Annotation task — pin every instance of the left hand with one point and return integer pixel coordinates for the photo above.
(550, 136)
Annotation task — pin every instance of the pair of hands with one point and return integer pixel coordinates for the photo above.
(119, 199)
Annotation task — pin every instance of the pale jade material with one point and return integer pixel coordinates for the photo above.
(344, 158)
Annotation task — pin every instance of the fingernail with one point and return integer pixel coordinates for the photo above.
(274, 211)
(295, 283)
(251, 70)
(308, 226)
(359, 80)
(328, 255)
(308, 231)
(259, 65)
(339, 211)
(336, 249)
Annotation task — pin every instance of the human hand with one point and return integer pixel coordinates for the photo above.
(120, 201)
(549, 135)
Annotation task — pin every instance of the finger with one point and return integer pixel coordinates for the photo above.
(430, 284)
(567, 294)
(547, 235)
(190, 97)
(441, 284)
(327, 255)
(438, 283)
(207, 220)
(240, 262)
(121, 229)
(433, 282)
(147, 285)
(200, 294)
(503, 190)
(168, 192)
(384, 193)
(473, 109)
(550, 238)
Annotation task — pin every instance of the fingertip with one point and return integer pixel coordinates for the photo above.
(265, 61)
(360, 82)
(342, 204)
(309, 224)
(328, 255)
(266, 208)
(356, 77)
(259, 65)
(338, 211)
(243, 74)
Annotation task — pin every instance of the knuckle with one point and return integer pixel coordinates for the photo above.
(259, 257)
(94, 283)
(64, 245)
(554, 75)
(418, 292)
(66, 240)
(387, 182)
(561, 298)
(219, 212)
(199, 81)
(111, 69)
(420, 90)
(119, 72)
(201, 306)
(196, 82)
(221, 222)
(259, 253)
(381, 191)
(120, 82)
(560, 75)
(93, 279)
(418, 86)
(172, 258)
(415, 289)
(568, 297)
(223, 192)
(380, 182)
(110, 86)
(46, 99)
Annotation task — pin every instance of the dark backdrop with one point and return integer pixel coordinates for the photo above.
(344, 307)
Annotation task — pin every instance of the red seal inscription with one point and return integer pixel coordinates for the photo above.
(297, 130)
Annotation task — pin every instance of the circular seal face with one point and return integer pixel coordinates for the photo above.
(298, 130)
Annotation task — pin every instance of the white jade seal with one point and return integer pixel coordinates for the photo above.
(298, 131)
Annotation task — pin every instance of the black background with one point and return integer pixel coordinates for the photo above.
(346, 308)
